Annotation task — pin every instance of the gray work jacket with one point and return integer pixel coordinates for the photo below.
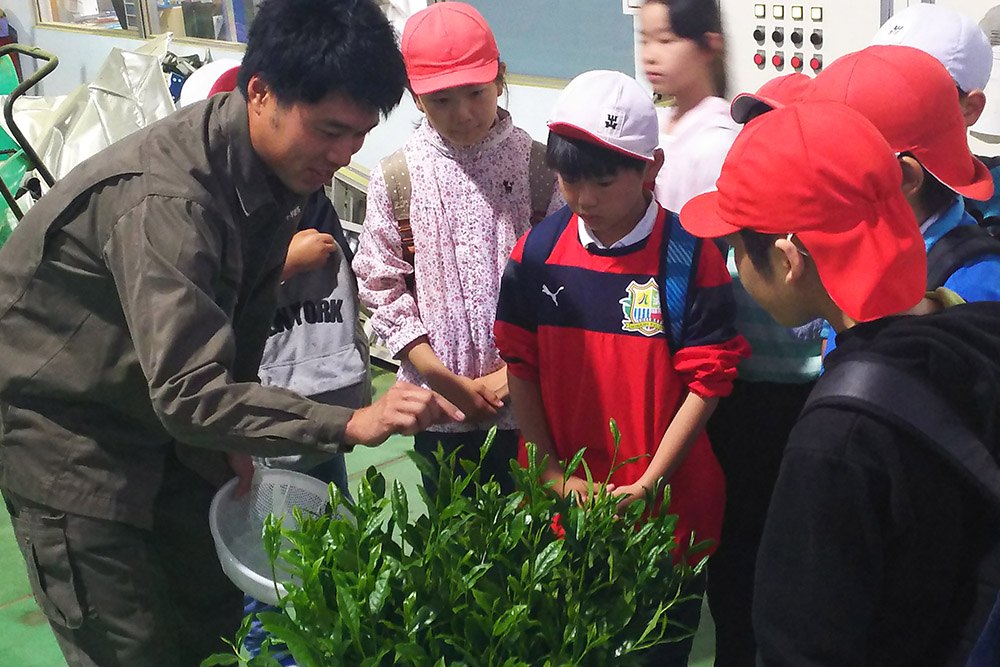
(135, 300)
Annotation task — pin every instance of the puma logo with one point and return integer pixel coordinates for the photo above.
(552, 295)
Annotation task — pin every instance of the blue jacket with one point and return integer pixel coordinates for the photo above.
(977, 280)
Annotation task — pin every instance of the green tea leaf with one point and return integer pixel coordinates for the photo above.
(400, 506)
(547, 559)
(350, 612)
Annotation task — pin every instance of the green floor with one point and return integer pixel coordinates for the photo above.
(25, 639)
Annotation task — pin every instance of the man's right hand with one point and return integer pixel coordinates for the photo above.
(405, 409)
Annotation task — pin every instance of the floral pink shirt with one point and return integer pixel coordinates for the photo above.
(468, 207)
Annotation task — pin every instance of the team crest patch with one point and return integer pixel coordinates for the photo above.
(641, 307)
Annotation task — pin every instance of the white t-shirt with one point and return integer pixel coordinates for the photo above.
(694, 151)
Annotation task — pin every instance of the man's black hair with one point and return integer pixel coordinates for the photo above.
(758, 248)
(576, 159)
(307, 49)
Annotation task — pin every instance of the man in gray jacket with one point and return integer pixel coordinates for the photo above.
(135, 300)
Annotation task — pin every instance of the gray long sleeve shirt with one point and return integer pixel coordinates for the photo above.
(135, 300)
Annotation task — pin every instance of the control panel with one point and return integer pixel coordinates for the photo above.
(791, 39)
(765, 39)
(769, 39)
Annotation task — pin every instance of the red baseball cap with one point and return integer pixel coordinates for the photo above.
(447, 45)
(791, 171)
(226, 82)
(776, 93)
(912, 100)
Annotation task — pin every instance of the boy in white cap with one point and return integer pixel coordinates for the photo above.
(609, 309)
(964, 49)
(955, 40)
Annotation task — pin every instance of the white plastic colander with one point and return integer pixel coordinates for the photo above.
(237, 525)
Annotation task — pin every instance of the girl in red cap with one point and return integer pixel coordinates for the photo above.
(443, 215)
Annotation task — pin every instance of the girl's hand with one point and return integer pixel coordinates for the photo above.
(308, 250)
(473, 397)
(497, 382)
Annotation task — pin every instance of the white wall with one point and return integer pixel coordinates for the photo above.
(21, 17)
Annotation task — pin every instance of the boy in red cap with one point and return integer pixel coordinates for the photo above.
(773, 386)
(910, 97)
(874, 534)
(608, 309)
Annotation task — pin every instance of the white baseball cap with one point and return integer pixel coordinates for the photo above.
(988, 125)
(952, 37)
(609, 109)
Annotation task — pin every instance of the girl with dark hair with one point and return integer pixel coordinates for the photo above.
(682, 55)
(443, 214)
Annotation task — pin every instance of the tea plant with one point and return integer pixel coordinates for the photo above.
(481, 580)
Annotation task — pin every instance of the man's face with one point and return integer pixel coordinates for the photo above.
(772, 289)
(303, 143)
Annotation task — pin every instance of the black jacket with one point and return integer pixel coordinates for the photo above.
(872, 537)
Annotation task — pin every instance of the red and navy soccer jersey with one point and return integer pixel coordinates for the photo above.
(588, 327)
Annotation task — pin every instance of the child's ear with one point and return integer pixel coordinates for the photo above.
(791, 263)
(501, 79)
(417, 102)
(653, 168)
(715, 42)
(972, 106)
(913, 177)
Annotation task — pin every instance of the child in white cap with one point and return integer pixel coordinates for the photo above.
(965, 50)
(610, 310)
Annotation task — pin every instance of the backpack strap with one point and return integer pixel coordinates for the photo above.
(397, 182)
(955, 249)
(882, 390)
(542, 239)
(541, 180)
(677, 270)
